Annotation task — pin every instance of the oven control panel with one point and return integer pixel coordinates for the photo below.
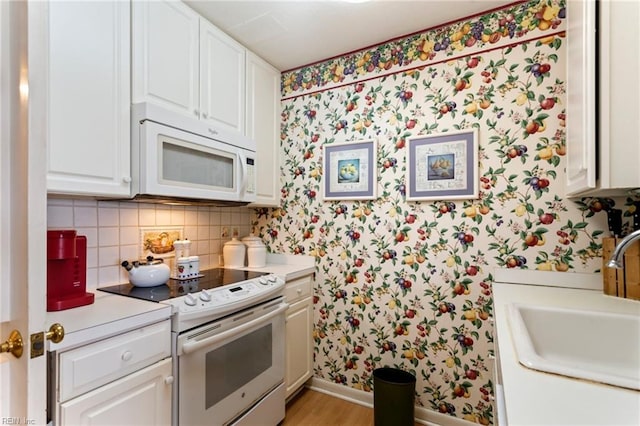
(222, 300)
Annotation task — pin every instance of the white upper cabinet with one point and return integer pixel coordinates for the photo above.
(183, 62)
(619, 115)
(222, 78)
(603, 115)
(166, 55)
(263, 126)
(581, 95)
(87, 69)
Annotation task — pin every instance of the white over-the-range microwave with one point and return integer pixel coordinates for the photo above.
(176, 158)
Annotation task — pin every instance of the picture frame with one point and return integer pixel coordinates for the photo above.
(158, 241)
(442, 166)
(350, 170)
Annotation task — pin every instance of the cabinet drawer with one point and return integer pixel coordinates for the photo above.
(83, 369)
(298, 288)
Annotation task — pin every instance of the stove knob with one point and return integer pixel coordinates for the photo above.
(205, 296)
(272, 278)
(263, 281)
(190, 300)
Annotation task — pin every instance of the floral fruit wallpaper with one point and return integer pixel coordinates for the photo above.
(408, 284)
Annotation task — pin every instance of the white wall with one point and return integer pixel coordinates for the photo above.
(113, 231)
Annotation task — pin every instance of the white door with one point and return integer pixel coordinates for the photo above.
(22, 217)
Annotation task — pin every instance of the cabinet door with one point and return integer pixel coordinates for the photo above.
(581, 96)
(222, 78)
(263, 126)
(165, 55)
(299, 356)
(88, 101)
(141, 398)
(619, 110)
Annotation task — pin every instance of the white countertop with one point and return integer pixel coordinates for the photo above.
(112, 314)
(288, 266)
(107, 316)
(537, 398)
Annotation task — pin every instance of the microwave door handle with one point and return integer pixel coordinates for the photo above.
(191, 347)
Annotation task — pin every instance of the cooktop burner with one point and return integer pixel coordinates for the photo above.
(212, 278)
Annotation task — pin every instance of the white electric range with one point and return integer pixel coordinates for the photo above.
(228, 345)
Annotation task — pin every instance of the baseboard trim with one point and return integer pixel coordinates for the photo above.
(423, 415)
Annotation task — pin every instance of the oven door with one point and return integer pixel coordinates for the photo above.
(226, 366)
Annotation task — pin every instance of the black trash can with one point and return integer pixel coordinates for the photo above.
(393, 397)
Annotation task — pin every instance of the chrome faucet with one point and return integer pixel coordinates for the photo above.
(616, 257)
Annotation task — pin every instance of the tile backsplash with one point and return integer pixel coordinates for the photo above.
(113, 228)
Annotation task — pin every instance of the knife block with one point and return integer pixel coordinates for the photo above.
(623, 282)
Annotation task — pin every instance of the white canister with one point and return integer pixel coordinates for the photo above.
(183, 267)
(234, 253)
(194, 264)
(256, 251)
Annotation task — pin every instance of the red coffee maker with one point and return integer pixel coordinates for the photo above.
(66, 270)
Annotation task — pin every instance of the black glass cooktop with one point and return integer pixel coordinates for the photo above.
(211, 278)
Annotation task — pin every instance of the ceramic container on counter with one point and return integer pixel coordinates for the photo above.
(187, 267)
(256, 251)
(234, 253)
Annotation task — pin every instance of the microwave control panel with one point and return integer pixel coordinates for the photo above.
(251, 176)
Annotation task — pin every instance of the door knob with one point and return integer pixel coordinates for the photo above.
(14, 344)
(55, 333)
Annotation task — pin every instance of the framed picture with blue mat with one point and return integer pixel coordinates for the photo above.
(349, 171)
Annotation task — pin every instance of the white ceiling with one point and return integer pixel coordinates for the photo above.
(293, 33)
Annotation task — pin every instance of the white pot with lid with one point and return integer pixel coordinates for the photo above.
(256, 251)
(234, 253)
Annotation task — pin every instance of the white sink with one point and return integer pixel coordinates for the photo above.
(597, 346)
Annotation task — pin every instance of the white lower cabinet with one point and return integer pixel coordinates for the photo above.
(124, 380)
(141, 398)
(299, 325)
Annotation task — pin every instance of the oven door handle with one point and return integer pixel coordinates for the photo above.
(191, 347)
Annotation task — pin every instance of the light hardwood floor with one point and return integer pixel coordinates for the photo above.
(311, 408)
